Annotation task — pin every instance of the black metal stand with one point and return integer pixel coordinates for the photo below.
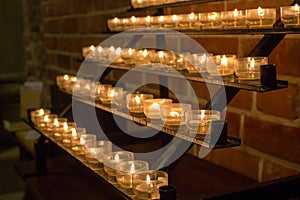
(40, 149)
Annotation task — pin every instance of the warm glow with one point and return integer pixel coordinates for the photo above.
(111, 48)
(41, 112)
(99, 49)
(130, 51)
(203, 58)
(118, 51)
(260, 12)
(192, 16)
(92, 48)
(174, 18)
(66, 77)
(82, 140)
(55, 122)
(132, 168)
(145, 52)
(213, 16)
(224, 61)
(65, 126)
(202, 115)
(148, 180)
(137, 100)
(112, 93)
(46, 118)
(161, 54)
(139, 1)
(74, 133)
(133, 19)
(117, 158)
(235, 13)
(252, 63)
(155, 106)
(148, 19)
(174, 114)
(93, 151)
(74, 79)
(116, 20)
(296, 7)
(161, 18)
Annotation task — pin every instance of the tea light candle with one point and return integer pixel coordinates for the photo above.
(146, 184)
(135, 102)
(197, 62)
(153, 108)
(290, 15)
(249, 68)
(199, 121)
(58, 132)
(211, 20)
(127, 56)
(175, 114)
(125, 170)
(221, 65)
(111, 160)
(37, 114)
(45, 120)
(261, 17)
(234, 19)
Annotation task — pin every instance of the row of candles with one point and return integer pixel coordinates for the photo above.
(146, 3)
(160, 111)
(246, 68)
(120, 166)
(250, 18)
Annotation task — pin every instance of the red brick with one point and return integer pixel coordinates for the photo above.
(286, 56)
(116, 4)
(273, 138)
(64, 61)
(87, 41)
(82, 24)
(51, 74)
(235, 160)
(70, 25)
(233, 124)
(51, 43)
(99, 5)
(282, 103)
(80, 6)
(48, 9)
(51, 59)
(242, 100)
(64, 7)
(272, 171)
(97, 23)
(53, 26)
(70, 44)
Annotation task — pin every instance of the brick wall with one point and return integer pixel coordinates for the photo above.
(268, 123)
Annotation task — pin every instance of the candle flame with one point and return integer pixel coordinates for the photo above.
(41, 112)
(65, 126)
(82, 140)
(130, 51)
(55, 122)
(93, 151)
(92, 48)
(133, 19)
(174, 18)
(192, 16)
(161, 54)
(117, 158)
(161, 18)
(260, 12)
(203, 58)
(118, 51)
(116, 20)
(202, 115)
(148, 19)
(46, 118)
(66, 77)
(112, 93)
(145, 52)
(111, 48)
(99, 49)
(132, 168)
(137, 100)
(74, 133)
(235, 13)
(296, 7)
(213, 16)
(224, 61)
(139, 1)
(155, 105)
(148, 180)
(252, 63)
(174, 114)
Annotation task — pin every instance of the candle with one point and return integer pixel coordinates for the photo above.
(135, 102)
(125, 171)
(146, 184)
(211, 20)
(199, 122)
(127, 56)
(58, 132)
(197, 62)
(175, 114)
(234, 19)
(153, 108)
(290, 15)
(261, 17)
(37, 114)
(249, 68)
(221, 65)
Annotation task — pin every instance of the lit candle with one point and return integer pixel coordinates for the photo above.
(133, 20)
(192, 18)
(175, 20)
(148, 20)
(135, 103)
(260, 13)
(296, 8)
(161, 20)
(235, 16)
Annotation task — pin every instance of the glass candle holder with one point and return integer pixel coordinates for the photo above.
(146, 184)
(113, 24)
(43, 121)
(171, 21)
(157, 21)
(141, 57)
(127, 56)
(153, 108)
(261, 17)
(88, 140)
(290, 15)
(171, 60)
(96, 154)
(199, 122)
(61, 81)
(80, 130)
(221, 65)
(188, 21)
(58, 132)
(197, 62)
(181, 61)
(111, 160)
(107, 93)
(175, 114)
(234, 19)
(248, 68)
(135, 102)
(211, 20)
(37, 114)
(125, 171)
